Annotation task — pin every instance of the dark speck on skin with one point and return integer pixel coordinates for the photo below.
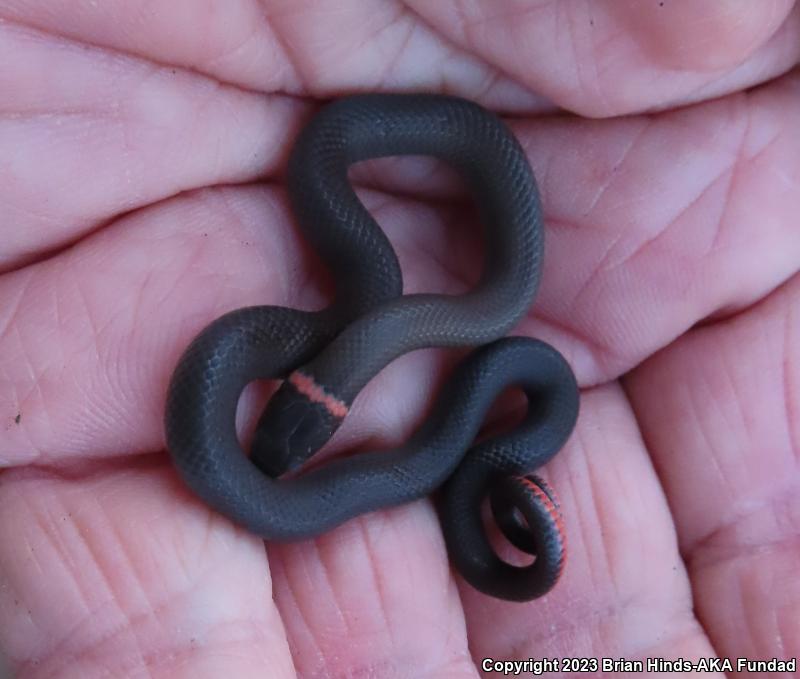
(18, 418)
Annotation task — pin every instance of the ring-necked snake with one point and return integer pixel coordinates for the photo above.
(330, 355)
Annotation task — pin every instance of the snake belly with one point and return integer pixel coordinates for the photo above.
(326, 357)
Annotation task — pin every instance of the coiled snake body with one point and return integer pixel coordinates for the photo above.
(331, 354)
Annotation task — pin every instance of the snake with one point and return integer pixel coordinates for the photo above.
(324, 358)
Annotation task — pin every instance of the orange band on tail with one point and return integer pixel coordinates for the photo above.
(553, 510)
(313, 392)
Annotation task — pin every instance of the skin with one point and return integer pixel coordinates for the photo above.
(141, 151)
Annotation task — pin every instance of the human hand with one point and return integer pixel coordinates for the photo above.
(141, 150)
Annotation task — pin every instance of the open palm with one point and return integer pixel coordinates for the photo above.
(141, 151)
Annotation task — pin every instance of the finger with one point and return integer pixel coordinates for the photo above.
(720, 411)
(610, 58)
(598, 59)
(130, 117)
(664, 216)
(307, 48)
(103, 133)
(117, 571)
(373, 598)
(624, 592)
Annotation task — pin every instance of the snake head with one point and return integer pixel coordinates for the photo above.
(293, 427)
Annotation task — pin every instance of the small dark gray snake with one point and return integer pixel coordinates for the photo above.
(326, 358)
